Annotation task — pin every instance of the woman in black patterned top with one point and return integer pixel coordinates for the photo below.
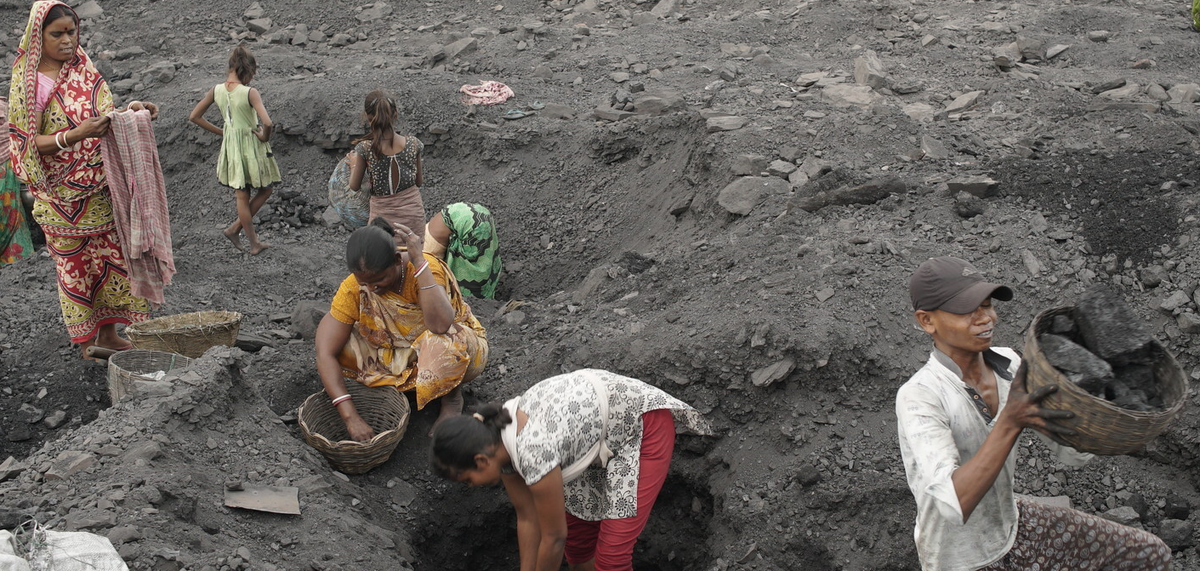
(582, 456)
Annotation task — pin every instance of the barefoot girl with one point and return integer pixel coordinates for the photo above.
(245, 162)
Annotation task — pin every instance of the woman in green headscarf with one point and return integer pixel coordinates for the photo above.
(464, 235)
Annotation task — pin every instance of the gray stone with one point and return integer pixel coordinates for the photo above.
(259, 25)
(1176, 300)
(159, 73)
(1176, 506)
(1177, 534)
(1123, 515)
(68, 464)
(929, 40)
(1031, 263)
(89, 10)
(870, 71)
(129, 52)
(774, 372)
(920, 112)
(749, 165)
(124, 534)
(934, 148)
(461, 47)
(1055, 50)
(254, 12)
(146, 451)
(1127, 91)
(1099, 35)
(780, 168)
(89, 520)
(824, 294)
(841, 95)
(1106, 104)
(1156, 92)
(340, 40)
(798, 178)
(742, 195)
(725, 123)
(1031, 49)
(514, 317)
(377, 12)
(306, 315)
(11, 468)
(55, 419)
(30, 414)
(609, 114)
(869, 192)
(1109, 327)
(331, 217)
(1184, 93)
(1076, 363)
(1188, 323)
(1108, 85)
(643, 18)
(619, 76)
(1006, 56)
(728, 71)
(664, 8)
(659, 102)
(980, 186)
(968, 205)
(963, 102)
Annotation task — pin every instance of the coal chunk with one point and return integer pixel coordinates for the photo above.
(1077, 364)
(1140, 378)
(1110, 329)
(1131, 399)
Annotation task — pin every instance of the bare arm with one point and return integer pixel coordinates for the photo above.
(197, 114)
(976, 476)
(420, 172)
(263, 133)
(90, 128)
(552, 520)
(528, 531)
(331, 337)
(358, 167)
(435, 304)
(438, 231)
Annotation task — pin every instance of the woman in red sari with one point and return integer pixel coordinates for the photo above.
(58, 104)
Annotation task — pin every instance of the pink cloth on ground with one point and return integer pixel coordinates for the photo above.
(486, 93)
(139, 201)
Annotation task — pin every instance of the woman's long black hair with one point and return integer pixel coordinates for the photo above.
(458, 439)
(371, 248)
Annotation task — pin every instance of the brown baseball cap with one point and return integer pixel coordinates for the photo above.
(953, 285)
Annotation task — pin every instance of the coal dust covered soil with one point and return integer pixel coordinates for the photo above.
(724, 199)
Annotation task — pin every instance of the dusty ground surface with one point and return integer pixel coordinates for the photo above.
(630, 251)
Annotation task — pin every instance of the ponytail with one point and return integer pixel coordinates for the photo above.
(380, 114)
(458, 439)
(243, 64)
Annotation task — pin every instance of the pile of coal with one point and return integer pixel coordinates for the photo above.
(1103, 348)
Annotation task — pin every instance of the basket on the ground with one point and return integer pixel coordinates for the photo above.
(189, 334)
(385, 409)
(1101, 426)
(125, 367)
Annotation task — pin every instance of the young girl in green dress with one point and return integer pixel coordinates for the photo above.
(245, 162)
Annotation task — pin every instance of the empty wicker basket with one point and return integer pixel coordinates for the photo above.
(1102, 427)
(125, 367)
(189, 334)
(385, 409)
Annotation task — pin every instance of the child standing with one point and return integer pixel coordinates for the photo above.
(245, 162)
(391, 162)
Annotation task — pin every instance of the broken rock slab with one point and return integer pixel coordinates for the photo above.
(981, 186)
(964, 102)
(749, 164)
(1076, 363)
(10, 468)
(658, 102)
(968, 205)
(89, 10)
(844, 95)
(869, 71)
(606, 113)
(725, 123)
(742, 195)
(1109, 327)
(869, 192)
(68, 464)
(773, 372)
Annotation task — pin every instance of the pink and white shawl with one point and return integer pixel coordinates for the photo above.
(486, 93)
(139, 200)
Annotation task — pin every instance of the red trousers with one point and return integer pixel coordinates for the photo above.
(610, 541)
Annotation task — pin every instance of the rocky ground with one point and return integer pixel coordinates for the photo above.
(722, 198)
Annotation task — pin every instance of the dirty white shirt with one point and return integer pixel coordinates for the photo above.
(940, 428)
(564, 424)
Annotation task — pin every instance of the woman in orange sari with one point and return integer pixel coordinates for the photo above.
(58, 104)
(397, 321)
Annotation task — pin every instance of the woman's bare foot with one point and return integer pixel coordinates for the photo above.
(108, 339)
(452, 405)
(236, 238)
(258, 247)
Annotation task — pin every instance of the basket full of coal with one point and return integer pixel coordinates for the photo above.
(1123, 385)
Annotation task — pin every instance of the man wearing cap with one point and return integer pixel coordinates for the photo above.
(959, 419)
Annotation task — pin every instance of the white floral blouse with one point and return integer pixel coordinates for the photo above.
(564, 424)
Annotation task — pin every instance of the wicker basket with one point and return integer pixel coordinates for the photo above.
(189, 334)
(125, 367)
(385, 409)
(1102, 427)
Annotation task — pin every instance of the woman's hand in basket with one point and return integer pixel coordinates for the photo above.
(358, 428)
(1025, 409)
